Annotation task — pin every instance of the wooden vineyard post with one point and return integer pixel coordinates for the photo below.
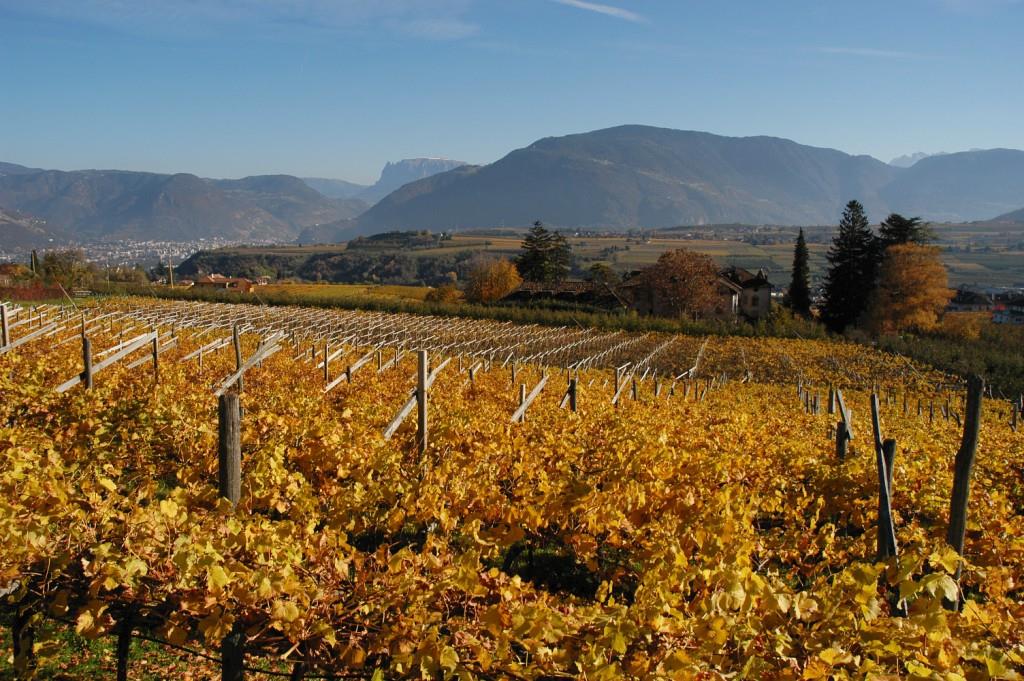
(87, 362)
(23, 636)
(421, 401)
(237, 340)
(124, 646)
(513, 372)
(327, 362)
(229, 447)
(831, 400)
(5, 328)
(963, 466)
(634, 390)
(884, 452)
(156, 358)
(232, 657)
(842, 440)
(522, 400)
(572, 393)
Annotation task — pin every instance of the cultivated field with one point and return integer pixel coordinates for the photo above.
(560, 503)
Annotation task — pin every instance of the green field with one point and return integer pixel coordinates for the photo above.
(977, 254)
(313, 292)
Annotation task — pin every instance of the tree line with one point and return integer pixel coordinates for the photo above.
(888, 282)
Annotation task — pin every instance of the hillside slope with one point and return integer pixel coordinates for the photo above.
(969, 185)
(639, 176)
(109, 204)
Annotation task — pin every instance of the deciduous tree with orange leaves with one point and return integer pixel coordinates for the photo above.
(912, 290)
(683, 283)
(492, 280)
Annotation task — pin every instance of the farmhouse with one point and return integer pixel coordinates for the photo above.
(755, 296)
(966, 300)
(219, 281)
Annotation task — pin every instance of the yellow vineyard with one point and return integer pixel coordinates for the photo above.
(703, 529)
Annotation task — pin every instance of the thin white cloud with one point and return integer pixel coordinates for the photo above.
(434, 19)
(608, 10)
(871, 52)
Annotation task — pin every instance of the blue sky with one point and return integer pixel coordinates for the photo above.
(335, 88)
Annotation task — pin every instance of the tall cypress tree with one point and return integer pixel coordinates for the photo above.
(800, 284)
(853, 265)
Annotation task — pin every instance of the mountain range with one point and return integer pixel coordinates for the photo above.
(1016, 216)
(616, 178)
(639, 176)
(115, 204)
(393, 176)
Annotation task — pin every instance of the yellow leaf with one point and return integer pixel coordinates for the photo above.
(218, 578)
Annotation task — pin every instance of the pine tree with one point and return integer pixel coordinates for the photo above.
(800, 284)
(897, 229)
(853, 264)
(546, 256)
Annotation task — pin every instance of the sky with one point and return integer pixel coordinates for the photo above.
(336, 88)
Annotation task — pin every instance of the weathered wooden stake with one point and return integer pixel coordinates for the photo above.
(963, 466)
(634, 389)
(5, 329)
(421, 401)
(889, 454)
(156, 359)
(229, 447)
(87, 362)
(572, 393)
(23, 634)
(842, 440)
(327, 362)
(124, 646)
(232, 657)
(886, 541)
(831, 400)
(522, 400)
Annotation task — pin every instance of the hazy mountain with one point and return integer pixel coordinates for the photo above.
(637, 176)
(395, 175)
(15, 169)
(291, 199)
(149, 206)
(18, 231)
(960, 187)
(1013, 216)
(335, 189)
(908, 160)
